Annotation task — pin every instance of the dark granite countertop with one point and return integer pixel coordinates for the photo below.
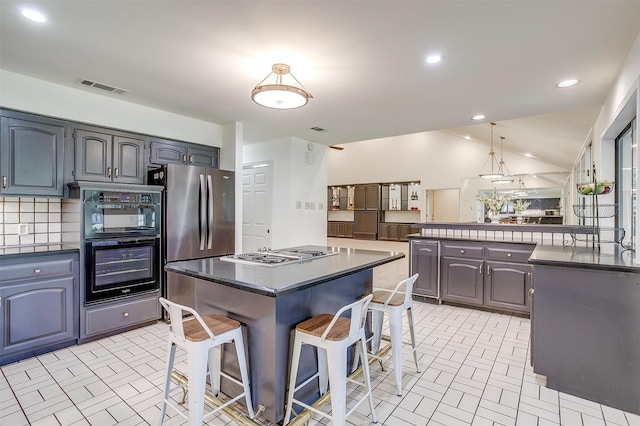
(11, 252)
(285, 278)
(611, 258)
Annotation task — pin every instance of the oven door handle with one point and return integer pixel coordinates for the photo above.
(209, 212)
(202, 209)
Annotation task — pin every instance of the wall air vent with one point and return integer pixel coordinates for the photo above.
(318, 129)
(101, 86)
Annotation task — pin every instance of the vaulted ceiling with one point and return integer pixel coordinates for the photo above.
(363, 61)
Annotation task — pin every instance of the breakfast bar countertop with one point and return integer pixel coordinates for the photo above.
(281, 279)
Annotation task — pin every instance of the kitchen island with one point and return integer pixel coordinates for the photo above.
(270, 301)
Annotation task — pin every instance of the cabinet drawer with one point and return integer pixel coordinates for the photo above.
(463, 250)
(106, 318)
(510, 253)
(33, 269)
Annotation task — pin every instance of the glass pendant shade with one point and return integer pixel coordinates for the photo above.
(279, 95)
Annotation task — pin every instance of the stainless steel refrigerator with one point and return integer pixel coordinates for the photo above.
(199, 219)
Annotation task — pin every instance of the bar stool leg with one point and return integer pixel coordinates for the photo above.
(214, 368)
(171, 356)
(413, 338)
(242, 360)
(365, 370)
(323, 371)
(395, 328)
(378, 316)
(337, 358)
(197, 357)
(293, 374)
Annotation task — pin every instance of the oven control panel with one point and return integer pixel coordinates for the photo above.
(121, 197)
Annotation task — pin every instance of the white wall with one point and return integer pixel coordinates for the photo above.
(294, 180)
(436, 159)
(41, 97)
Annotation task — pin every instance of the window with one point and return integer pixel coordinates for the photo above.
(626, 160)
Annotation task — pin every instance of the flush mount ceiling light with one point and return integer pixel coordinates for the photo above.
(502, 167)
(279, 95)
(434, 59)
(494, 173)
(478, 117)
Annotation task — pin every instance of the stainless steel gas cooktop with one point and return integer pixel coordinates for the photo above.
(277, 257)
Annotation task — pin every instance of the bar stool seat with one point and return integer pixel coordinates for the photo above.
(394, 303)
(332, 335)
(202, 338)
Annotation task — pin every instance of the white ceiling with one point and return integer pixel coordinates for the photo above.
(363, 61)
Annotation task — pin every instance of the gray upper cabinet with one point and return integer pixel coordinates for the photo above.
(163, 151)
(31, 155)
(104, 157)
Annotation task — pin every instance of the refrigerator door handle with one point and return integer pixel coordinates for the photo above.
(202, 212)
(210, 212)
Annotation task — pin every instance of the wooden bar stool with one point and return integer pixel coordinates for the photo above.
(332, 335)
(394, 303)
(202, 338)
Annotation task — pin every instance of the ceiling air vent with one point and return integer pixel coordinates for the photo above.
(318, 129)
(102, 86)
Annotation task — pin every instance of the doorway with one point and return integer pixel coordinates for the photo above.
(256, 206)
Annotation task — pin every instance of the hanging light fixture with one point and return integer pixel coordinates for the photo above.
(521, 191)
(502, 167)
(279, 95)
(493, 174)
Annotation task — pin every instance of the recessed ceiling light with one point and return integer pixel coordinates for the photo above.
(467, 137)
(434, 59)
(567, 83)
(528, 154)
(33, 15)
(478, 117)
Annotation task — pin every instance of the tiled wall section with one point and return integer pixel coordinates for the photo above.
(543, 238)
(48, 220)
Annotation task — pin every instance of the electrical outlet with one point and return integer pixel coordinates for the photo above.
(298, 204)
(23, 229)
(320, 206)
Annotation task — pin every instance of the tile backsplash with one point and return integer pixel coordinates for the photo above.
(47, 220)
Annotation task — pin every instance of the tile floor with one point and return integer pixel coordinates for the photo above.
(475, 371)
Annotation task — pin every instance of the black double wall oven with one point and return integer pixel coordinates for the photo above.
(120, 241)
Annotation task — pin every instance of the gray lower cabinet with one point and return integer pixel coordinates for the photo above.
(506, 285)
(164, 151)
(492, 275)
(462, 280)
(104, 157)
(38, 305)
(26, 141)
(423, 260)
(585, 332)
(107, 318)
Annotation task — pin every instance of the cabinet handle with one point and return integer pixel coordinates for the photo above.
(125, 314)
(508, 254)
(116, 172)
(36, 271)
(480, 269)
(462, 251)
(184, 158)
(191, 159)
(108, 171)
(488, 269)
(4, 181)
(530, 294)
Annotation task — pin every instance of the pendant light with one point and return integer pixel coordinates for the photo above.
(493, 174)
(502, 167)
(521, 191)
(279, 95)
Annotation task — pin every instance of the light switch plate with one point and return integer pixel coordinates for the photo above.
(23, 229)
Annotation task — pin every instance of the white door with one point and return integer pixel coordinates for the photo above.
(256, 207)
